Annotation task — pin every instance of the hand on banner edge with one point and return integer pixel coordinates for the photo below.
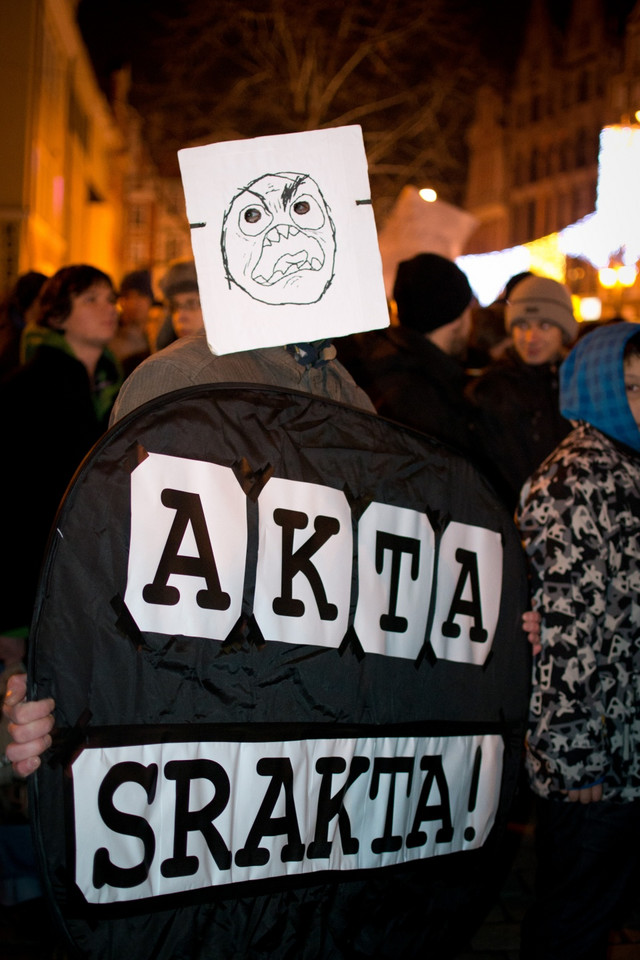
(531, 625)
(30, 726)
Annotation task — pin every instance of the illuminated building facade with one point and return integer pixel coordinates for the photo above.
(76, 184)
(155, 229)
(60, 151)
(534, 147)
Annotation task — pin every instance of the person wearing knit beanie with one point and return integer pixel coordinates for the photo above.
(432, 296)
(518, 419)
(412, 369)
(539, 316)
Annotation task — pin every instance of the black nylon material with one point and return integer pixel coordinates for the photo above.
(88, 655)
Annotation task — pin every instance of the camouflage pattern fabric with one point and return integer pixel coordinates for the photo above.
(580, 522)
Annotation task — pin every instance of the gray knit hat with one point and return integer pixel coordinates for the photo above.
(542, 298)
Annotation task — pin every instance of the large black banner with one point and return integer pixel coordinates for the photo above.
(284, 641)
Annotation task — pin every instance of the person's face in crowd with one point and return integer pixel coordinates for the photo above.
(453, 337)
(632, 385)
(461, 333)
(134, 308)
(537, 340)
(186, 314)
(94, 317)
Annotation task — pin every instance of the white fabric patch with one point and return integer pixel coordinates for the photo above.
(160, 819)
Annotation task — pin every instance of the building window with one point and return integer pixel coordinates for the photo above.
(534, 165)
(78, 121)
(582, 93)
(138, 215)
(518, 171)
(583, 34)
(551, 102)
(564, 158)
(581, 148)
(171, 249)
(138, 254)
(536, 107)
(531, 220)
(552, 157)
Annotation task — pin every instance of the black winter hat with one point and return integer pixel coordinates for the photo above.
(430, 291)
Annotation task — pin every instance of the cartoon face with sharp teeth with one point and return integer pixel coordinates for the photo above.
(278, 240)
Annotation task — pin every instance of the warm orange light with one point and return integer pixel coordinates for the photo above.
(619, 276)
(589, 308)
(627, 276)
(428, 194)
(607, 277)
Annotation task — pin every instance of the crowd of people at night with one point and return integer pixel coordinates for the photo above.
(547, 408)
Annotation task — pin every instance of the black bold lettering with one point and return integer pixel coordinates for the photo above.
(104, 871)
(300, 562)
(189, 821)
(389, 766)
(471, 608)
(266, 825)
(188, 507)
(330, 807)
(439, 811)
(397, 545)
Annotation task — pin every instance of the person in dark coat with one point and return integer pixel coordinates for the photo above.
(518, 417)
(412, 370)
(54, 408)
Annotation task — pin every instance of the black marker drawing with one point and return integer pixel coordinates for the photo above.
(278, 240)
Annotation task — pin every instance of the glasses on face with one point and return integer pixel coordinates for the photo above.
(191, 304)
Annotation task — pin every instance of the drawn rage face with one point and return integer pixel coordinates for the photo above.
(278, 240)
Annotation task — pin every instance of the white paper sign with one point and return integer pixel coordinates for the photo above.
(284, 238)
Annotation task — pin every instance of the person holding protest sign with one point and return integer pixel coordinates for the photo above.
(254, 628)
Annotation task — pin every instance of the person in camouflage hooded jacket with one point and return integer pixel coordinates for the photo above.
(579, 518)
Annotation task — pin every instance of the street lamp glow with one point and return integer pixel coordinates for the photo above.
(623, 275)
(627, 275)
(590, 309)
(428, 194)
(607, 277)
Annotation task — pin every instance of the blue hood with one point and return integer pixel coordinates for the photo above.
(592, 383)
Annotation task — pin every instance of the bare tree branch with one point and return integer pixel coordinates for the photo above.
(405, 69)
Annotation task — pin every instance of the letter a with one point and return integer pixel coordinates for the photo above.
(471, 608)
(189, 510)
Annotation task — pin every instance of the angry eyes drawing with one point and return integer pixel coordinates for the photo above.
(278, 240)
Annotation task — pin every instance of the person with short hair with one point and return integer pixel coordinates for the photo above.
(19, 310)
(179, 287)
(579, 518)
(135, 299)
(518, 419)
(54, 409)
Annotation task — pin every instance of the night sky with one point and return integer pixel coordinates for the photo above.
(139, 33)
(121, 31)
